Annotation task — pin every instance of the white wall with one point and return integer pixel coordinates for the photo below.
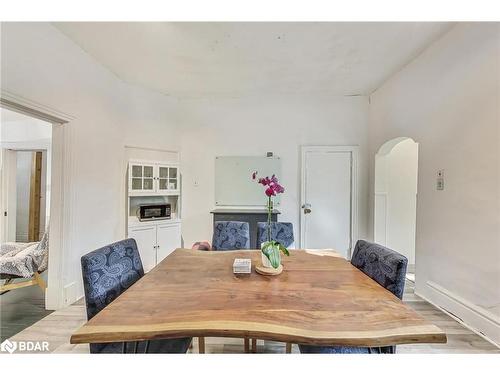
(396, 197)
(448, 101)
(42, 65)
(253, 125)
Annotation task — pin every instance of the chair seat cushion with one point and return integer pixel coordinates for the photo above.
(310, 349)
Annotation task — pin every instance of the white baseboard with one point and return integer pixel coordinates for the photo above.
(473, 317)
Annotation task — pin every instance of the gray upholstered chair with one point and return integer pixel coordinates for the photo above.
(386, 267)
(281, 232)
(231, 235)
(107, 273)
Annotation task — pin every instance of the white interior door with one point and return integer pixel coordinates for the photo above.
(8, 195)
(328, 198)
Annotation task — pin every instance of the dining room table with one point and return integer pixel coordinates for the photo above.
(320, 298)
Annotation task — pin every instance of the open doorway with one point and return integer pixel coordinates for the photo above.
(25, 178)
(396, 171)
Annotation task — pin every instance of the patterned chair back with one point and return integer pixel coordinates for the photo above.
(387, 267)
(231, 235)
(108, 272)
(281, 232)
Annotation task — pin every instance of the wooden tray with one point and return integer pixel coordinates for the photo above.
(268, 271)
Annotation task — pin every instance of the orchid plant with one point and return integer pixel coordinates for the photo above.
(271, 249)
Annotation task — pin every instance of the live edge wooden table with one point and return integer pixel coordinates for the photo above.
(318, 300)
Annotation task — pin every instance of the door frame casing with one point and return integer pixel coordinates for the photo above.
(354, 150)
(60, 189)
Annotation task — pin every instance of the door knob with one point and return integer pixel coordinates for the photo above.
(307, 208)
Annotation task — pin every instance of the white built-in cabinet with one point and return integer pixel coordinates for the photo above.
(153, 178)
(156, 241)
(152, 181)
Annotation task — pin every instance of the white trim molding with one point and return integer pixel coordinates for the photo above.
(470, 315)
(28, 107)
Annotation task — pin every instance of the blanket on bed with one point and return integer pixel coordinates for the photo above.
(23, 259)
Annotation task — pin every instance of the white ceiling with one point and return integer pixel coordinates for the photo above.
(199, 59)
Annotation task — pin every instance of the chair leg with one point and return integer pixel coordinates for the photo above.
(247, 345)
(254, 345)
(288, 347)
(201, 345)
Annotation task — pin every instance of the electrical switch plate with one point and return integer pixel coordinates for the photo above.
(440, 180)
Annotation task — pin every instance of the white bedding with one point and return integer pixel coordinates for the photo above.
(23, 259)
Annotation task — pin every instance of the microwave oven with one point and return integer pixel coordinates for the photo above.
(148, 212)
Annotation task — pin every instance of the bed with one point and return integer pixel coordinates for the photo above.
(24, 262)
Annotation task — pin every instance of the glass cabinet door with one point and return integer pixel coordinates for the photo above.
(167, 178)
(142, 177)
(163, 178)
(136, 179)
(172, 178)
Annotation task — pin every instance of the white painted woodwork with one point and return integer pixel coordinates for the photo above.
(9, 187)
(328, 191)
(145, 236)
(158, 238)
(168, 238)
(153, 178)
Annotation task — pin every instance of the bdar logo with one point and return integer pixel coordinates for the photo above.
(8, 346)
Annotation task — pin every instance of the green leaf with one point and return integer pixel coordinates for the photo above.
(284, 250)
(272, 251)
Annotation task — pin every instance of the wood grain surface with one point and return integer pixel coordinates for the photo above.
(321, 300)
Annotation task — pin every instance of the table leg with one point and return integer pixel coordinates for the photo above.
(254, 345)
(288, 347)
(247, 345)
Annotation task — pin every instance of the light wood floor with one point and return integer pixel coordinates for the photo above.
(58, 326)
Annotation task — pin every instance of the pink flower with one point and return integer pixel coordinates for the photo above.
(264, 181)
(272, 184)
(270, 192)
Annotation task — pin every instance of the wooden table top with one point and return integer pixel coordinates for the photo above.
(318, 299)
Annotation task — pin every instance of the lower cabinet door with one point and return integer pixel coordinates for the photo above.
(168, 239)
(145, 236)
